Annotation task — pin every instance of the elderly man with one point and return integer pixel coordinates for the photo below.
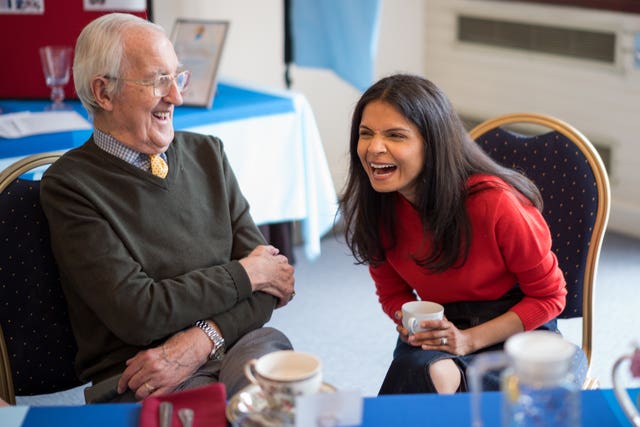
(163, 268)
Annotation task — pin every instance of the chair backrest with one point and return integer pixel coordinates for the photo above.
(575, 189)
(37, 346)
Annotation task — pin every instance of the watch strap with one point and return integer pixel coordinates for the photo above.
(218, 342)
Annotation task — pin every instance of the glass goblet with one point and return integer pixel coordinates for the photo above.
(56, 66)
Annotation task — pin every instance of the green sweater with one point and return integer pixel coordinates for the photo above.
(142, 258)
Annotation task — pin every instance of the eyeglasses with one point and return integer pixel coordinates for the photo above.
(162, 84)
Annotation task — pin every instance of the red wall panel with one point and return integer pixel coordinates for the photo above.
(22, 34)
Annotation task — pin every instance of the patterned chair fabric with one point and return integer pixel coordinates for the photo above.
(38, 349)
(575, 191)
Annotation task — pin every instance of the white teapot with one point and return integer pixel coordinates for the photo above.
(536, 384)
(621, 394)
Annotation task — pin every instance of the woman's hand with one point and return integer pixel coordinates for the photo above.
(402, 331)
(443, 336)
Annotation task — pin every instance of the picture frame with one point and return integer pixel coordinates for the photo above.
(199, 44)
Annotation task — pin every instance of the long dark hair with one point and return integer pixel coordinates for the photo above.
(450, 158)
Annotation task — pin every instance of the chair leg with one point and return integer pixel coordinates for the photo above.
(6, 381)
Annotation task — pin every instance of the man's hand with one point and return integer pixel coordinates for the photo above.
(161, 369)
(270, 272)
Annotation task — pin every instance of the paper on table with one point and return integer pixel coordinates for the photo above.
(13, 416)
(342, 408)
(25, 123)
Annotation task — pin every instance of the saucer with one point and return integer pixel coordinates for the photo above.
(251, 399)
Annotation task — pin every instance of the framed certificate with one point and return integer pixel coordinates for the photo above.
(198, 44)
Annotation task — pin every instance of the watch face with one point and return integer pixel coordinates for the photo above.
(218, 353)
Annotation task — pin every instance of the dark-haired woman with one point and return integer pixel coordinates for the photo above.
(436, 219)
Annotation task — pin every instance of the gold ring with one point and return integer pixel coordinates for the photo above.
(293, 294)
(149, 388)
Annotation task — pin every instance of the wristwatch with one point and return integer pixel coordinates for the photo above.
(218, 342)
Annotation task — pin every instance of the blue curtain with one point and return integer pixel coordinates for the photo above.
(340, 35)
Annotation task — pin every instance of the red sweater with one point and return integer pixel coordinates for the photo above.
(510, 243)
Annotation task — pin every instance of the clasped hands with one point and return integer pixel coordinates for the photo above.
(442, 335)
(270, 272)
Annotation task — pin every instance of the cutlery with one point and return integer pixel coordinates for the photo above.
(166, 411)
(186, 417)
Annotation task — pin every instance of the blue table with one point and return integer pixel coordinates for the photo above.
(599, 407)
(271, 140)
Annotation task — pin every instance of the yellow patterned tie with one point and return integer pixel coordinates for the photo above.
(158, 166)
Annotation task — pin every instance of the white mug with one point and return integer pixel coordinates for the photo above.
(414, 312)
(283, 375)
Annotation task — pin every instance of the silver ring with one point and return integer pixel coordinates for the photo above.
(443, 341)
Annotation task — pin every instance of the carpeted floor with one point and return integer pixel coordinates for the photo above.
(336, 316)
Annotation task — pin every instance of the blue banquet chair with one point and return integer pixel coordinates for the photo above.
(37, 346)
(575, 190)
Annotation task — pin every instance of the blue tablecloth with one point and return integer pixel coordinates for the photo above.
(599, 409)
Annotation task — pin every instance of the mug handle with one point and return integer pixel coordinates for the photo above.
(412, 325)
(250, 369)
(621, 394)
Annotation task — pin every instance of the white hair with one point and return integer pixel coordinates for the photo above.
(100, 52)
